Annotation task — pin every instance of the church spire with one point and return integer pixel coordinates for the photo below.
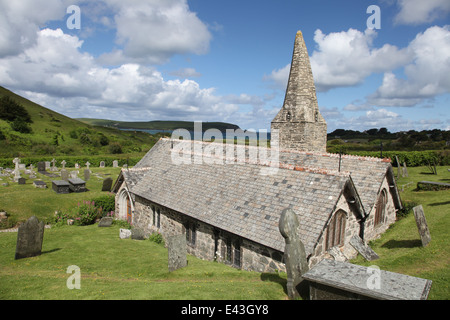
(300, 124)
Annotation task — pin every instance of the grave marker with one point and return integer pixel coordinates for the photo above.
(107, 184)
(77, 185)
(294, 253)
(422, 226)
(115, 164)
(87, 174)
(177, 252)
(60, 186)
(63, 163)
(102, 164)
(29, 238)
(41, 166)
(105, 222)
(64, 174)
(363, 249)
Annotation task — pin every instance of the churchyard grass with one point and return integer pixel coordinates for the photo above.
(114, 268)
(400, 248)
(24, 201)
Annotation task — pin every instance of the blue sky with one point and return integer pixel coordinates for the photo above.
(216, 60)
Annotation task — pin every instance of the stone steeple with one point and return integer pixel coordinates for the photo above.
(300, 124)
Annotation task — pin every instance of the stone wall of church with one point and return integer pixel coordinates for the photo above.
(210, 243)
(302, 136)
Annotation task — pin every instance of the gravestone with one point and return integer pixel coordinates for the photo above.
(105, 222)
(87, 174)
(77, 185)
(22, 166)
(115, 164)
(74, 174)
(22, 181)
(64, 174)
(405, 170)
(41, 166)
(294, 253)
(61, 186)
(177, 252)
(77, 166)
(107, 184)
(124, 233)
(54, 168)
(63, 163)
(398, 167)
(29, 238)
(422, 226)
(137, 234)
(17, 176)
(40, 184)
(87, 164)
(363, 249)
(334, 280)
(32, 173)
(102, 164)
(47, 165)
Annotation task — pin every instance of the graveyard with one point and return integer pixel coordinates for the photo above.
(115, 268)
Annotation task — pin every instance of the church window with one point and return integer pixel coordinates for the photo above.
(158, 218)
(288, 116)
(191, 233)
(336, 230)
(154, 215)
(380, 210)
(233, 252)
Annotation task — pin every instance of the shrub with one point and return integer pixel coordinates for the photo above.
(156, 238)
(87, 213)
(407, 208)
(107, 203)
(115, 148)
(20, 126)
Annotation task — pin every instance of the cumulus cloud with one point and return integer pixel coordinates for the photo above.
(151, 31)
(419, 11)
(425, 77)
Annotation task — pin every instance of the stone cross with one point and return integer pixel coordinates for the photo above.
(29, 238)
(422, 225)
(294, 253)
(88, 164)
(17, 176)
(53, 165)
(63, 163)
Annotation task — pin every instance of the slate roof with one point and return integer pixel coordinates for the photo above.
(236, 197)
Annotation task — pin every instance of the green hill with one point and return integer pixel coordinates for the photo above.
(158, 125)
(55, 134)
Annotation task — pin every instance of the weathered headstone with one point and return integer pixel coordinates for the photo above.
(61, 186)
(77, 185)
(102, 164)
(334, 280)
(47, 165)
(105, 222)
(64, 174)
(405, 170)
(294, 253)
(74, 174)
(21, 181)
(41, 166)
(363, 249)
(422, 226)
(107, 184)
(124, 233)
(177, 252)
(22, 166)
(115, 164)
(39, 184)
(63, 163)
(54, 168)
(87, 164)
(17, 176)
(137, 234)
(29, 238)
(87, 174)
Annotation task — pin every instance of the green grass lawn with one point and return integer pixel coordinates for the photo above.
(113, 268)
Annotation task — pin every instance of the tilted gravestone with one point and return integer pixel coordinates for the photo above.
(29, 238)
(363, 249)
(177, 252)
(107, 184)
(105, 222)
(422, 226)
(294, 253)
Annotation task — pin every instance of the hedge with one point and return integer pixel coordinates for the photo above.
(71, 160)
(412, 158)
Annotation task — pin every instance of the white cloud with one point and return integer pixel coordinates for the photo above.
(420, 11)
(151, 31)
(186, 73)
(20, 21)
(425, 77)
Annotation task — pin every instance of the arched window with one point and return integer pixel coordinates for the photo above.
(380, 209)
(125, 206)
(336, 230)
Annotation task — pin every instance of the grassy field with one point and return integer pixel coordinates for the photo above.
(113, 268)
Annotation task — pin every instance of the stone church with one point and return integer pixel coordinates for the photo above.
(229, 207)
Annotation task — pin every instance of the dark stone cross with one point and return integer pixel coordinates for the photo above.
(294, 254)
